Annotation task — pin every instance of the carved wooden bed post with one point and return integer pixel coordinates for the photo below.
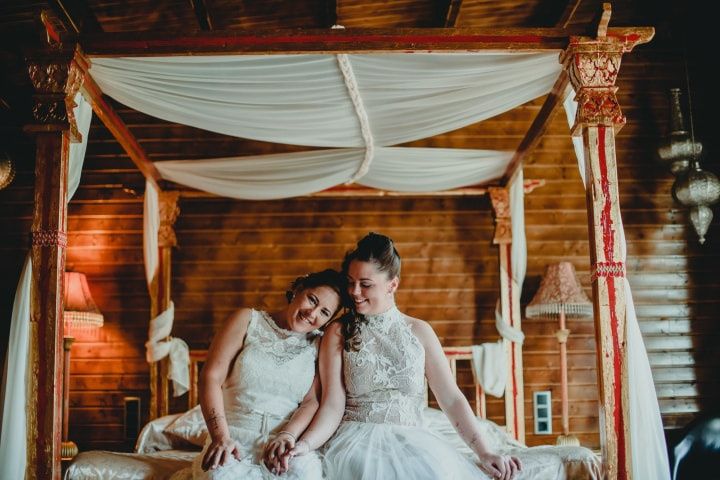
(160, 295)
(510, 307)
(56, 79)
(592, 65)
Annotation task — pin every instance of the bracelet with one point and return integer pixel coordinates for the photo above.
(288, 433)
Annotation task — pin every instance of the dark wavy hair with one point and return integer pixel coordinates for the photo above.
(327, 278)
(380, 250)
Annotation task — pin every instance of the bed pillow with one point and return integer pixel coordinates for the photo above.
(190, 426)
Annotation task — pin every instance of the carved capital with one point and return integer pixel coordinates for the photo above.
(500, 199)
(593, 67)
(169, 211)
(56, 78)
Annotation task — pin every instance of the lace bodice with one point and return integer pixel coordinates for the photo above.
(385, 379)
(273, 371)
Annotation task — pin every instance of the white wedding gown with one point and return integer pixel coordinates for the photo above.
(271, 375)
(382, 434)
(387, 433)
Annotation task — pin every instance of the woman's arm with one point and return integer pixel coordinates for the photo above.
(284, 441)
(332, 403)
(455, 405)
(224, 347)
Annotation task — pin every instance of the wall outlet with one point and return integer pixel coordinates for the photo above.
(542, 409)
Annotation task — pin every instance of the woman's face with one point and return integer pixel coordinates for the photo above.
(370, 289)
(312, 308)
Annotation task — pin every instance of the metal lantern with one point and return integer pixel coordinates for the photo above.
(698, 189)
(7, 171)
(680, 148)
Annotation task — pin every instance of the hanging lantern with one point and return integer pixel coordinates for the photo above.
(680, 148)
(698, 189)
(7, 171)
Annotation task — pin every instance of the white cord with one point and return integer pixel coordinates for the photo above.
(352, 86)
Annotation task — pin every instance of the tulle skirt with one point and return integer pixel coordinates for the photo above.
(371, 451)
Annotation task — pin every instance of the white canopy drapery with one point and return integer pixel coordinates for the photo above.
(303, 99)
(360, 104)
(13, 446)
(647, 437)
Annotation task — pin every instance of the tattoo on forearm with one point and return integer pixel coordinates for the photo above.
(214, 420)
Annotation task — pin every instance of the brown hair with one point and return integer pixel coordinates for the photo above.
(327, 278)
(380, 250)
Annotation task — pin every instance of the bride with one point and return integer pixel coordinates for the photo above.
(372, 371)
(260, 367)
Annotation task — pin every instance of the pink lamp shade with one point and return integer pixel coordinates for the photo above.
(80, 308)
(560, 290)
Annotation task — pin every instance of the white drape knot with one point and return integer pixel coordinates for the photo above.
(161, 345)
(354, 92)
(506, 331)
(490, 367)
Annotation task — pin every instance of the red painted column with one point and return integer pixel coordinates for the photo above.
(593, 65)
(56, 79)
(510, 309)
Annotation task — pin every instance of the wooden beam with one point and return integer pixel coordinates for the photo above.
(202, 14)
(568, 14)
(510, 308)
(117, 127)
(593, 65)
(343, 41)
(453, 13)
(537, 129)
(328, 13)
(76, 15)
(55, 77)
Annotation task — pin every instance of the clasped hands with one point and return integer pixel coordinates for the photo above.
(280, 450)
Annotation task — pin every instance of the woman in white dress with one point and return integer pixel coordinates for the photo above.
(372, 369)
(260, 369)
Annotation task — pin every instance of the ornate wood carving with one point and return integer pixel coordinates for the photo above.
(169, 211)
(593, 65)
(160, 294)
(500, 199)
(56, 78)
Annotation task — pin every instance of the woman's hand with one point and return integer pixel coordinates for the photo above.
(220, 452)
(275, 455)
(502, 467)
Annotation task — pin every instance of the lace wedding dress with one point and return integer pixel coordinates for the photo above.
(382, 434)
(271, 375)
(387, 433)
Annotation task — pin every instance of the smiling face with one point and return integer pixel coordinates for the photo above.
(371, 290)
(312, 308)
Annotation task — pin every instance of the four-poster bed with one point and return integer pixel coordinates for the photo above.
(598, 110)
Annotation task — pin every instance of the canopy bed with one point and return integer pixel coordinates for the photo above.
(344, 70)
(170, 443)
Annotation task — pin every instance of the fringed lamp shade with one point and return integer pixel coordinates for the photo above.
(80, 308)
(560, 291)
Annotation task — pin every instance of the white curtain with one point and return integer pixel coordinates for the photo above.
(303, 99)
(13, 446)
(300, 173)
(647, 437)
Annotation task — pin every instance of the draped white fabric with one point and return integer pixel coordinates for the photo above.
(303, 99)
(151, 228)
(300, 173)
(160, 344)
(490, 367)
(13, 447)
(647, 438)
